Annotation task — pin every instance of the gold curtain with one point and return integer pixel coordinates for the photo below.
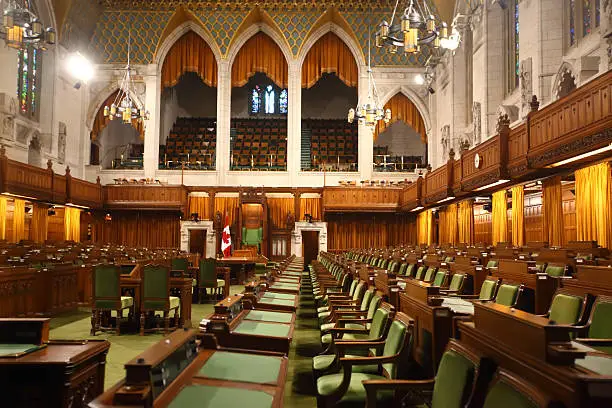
(200, 205)
(72, 224)
(2, 217)
(260, 54)
(552, 211)
(466, 222)
(402, 109)
(227, 205)
(310, 206)
(518, 216)
(425, 227)
(594, 204)
(19, 220)
(279, 208)
(448, 225)
(346, 231)
(100, 121)
(148, 229)
(499, 217)
(39, 226)
(329, 55)
(190, 53)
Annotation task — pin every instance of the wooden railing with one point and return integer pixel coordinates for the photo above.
(361, 199)
(145, 197)
(411, 196)
(83, 193)
(518, 144)
(438, 183)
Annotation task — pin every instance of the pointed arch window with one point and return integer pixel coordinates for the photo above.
(268, 99)
(29, 61)
(582, 18)
(513, 46)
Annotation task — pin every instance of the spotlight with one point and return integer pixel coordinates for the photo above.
(419, 80)
(108, 217)
(80, 68)
(51, 212)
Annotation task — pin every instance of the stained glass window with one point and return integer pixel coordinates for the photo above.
(255, 100)
(586, 17)
(283, 102)
(270, 102)
(572, 22)
(583, 16)
(28, 81)
(597, 12)
(513, 61)
(517, 68)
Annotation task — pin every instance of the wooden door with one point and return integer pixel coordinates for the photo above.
(197, 242)
(310, 246)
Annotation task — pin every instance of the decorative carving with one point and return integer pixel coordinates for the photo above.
(502, 122)
(477, 121)
(218, 222)
(21, 133)
(526, 85)
(509, 110)
(290, 221)
(445, 139)
(61, 143)
(565, 82)
(573, 148)
(534, 104)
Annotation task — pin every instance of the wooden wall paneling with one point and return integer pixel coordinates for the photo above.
(483, 227)
(411, 195)
(55, 225)
(438, 183)
(518, 144)
(356, 199)
(490, 164)
(81, 192)
(145, 197)
(149, 229)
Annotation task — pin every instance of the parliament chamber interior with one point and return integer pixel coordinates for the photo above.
(274, 203)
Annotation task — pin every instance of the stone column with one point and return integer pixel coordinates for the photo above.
(224, 116)
(152, 104)
(294, 122)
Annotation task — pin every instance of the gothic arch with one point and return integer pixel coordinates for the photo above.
(98, 101)
(348, 39)
(566, 72)
(249, 32)
(164, 47)
(414, 98)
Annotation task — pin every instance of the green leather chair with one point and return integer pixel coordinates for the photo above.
(356, 320)
(456, 284)
(252, 236)
(346, 387)
(440, 279)
(180, 265)
(598, 329)
(555, 270)
(488, 290)
(107, 297)
(511, 391)
(402, 269)
(420, 272)
(324, 312)
(207, 278)
(156, 297)
(375, 331)
(508, 295)
(566, 309)
(429, 275)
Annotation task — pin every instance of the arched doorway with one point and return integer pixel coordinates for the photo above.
(188, 134)
(329, 90)
(401, 144)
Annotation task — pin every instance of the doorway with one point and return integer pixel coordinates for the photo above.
(197, 242)
(310, 247)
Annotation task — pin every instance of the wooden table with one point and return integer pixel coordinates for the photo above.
(206, 377)
(241, 268)
(62, 374)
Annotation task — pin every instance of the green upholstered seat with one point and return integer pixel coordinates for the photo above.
(420, 273)
(456, 282)
(208, 277)
(175, 302)
(439, 278)
(600, 327)
(506, 294)
(156, 295)
(209, 396)
(448, 259)
(487, 290)
(242, 367)
(402, 269)
(429, 275)
(556, 271)
(453, 381)
(252, 236)
(376, 329)
(565, 309)
(492, 264)
(107, 297)
(180, 264)
(503, 395)
(327, 326)
(410, 270)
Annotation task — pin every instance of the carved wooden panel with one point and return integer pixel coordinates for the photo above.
(489, 170)
(578, 123)
(360, 199)
(85, 193)
(411, 195)
(438, 182)
(23, 179)
(518, 143)
(59, 188)
(483, 228)
(145, 197)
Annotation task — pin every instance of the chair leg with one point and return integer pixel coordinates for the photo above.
(176, 318)
(142, 323)
(166, 322)
(93, 322)
(118, 322)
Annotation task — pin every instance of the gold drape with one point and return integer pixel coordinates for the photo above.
(425, 227)
(72, 224)
(594, 204)
(39, 226)
(100, 121)
(227, 205)
(310, 206)
(346, 231)
(200, 205)
(448, 225)
(402, 109)
(279, 208)
(499, 217)
(552, 211)
(260, 54)
(19, 220)
(149, 229)
(3, 217)
(190, 53)
(518, 216)
(466, 222)
(329, 54)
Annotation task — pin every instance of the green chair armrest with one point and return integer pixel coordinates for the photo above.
(422, 387)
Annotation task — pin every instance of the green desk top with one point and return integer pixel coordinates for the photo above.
(16, 350)
(278, 302)
(600, 364)
(242, 367)
(273, 295)
(203, 396)
(266, 316)
(285, 286)
(255, 328)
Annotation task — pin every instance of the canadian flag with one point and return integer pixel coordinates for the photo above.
(226, 239)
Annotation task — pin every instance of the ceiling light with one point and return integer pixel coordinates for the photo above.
(582, 156)
(419, 80)
(446, 199)
(497, 183)
(80, 67)
(417, 209)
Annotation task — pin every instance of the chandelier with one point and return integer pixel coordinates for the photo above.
(21, 27)
(417, 26)
(370, 112)
(123, 106)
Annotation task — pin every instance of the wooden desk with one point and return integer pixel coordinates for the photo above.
(540, 353)
(241, 268)
(475, 274)
(62, 374)
(260, 298)
(206, 377)
(386, 283)
(596, 280)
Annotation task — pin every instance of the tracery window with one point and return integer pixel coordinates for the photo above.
(268, 99)
(29, 61)
(513, 45)
(583, 16)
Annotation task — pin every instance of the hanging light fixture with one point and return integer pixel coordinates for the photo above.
(370, 112)
(21, 27)
(417, 26)
(124, 107)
